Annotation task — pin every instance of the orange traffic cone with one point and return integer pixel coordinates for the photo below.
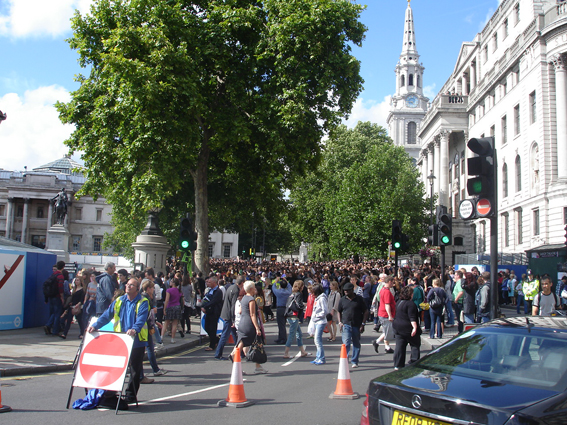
(4, 409)
(236, 396)
(230, 339)
(344, 387)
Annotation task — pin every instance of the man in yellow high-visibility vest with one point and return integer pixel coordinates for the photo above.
(530, 288)
(130, 313)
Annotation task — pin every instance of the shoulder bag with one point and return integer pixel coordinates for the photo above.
(256, 353)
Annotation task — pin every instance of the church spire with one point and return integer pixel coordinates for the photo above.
(409, 49)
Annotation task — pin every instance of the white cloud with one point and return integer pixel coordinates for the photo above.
(430, 92)
(369, 110)
(32, 134)
(23, 18)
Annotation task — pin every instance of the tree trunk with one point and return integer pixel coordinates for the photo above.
(202, 208)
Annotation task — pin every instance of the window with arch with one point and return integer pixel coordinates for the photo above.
(518, 173)
(410, 80)
(505, 180)
(412, 133)
(534, 165)
(403, 81)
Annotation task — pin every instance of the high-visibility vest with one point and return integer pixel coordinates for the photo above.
(143, 335)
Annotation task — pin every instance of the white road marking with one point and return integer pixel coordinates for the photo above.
(185, 394)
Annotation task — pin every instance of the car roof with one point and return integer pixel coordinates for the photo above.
(556, 323)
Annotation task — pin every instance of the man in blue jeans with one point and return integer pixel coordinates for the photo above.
(352, 317)
(55, 302)
(282, 291)
(228, 315)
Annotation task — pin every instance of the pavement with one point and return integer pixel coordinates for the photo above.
(29, 351)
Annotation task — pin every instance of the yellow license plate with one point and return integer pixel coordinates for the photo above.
(403, 418)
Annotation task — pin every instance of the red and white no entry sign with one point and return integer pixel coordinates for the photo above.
(483, 207)
(103, 361)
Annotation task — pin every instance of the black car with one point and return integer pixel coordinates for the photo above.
(507, 371)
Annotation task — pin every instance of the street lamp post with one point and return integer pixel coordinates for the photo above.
(431, 178)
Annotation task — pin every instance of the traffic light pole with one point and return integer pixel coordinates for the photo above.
(494, 247)
(442, 247)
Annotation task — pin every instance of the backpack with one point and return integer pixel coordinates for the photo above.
(555, 297)
(51, 286)
(291, 306)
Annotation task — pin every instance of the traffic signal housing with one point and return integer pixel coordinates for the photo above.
(185, 229)
(444, 227)
(396, 235)
(432, 235)
(187, 237)
(565, 235)
(405, 243)
(481, 170)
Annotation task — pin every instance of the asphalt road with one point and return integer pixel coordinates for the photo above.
(294, 391)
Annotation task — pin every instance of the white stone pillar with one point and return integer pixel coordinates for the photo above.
(465, 85)
(430, 165)
(560, 63)
(444, 168)
(9, 218)
(437, 169)
(50, 214)
(473, 76)
(25, 220)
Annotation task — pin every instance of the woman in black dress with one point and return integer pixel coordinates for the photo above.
(406, 328)
(249, 326)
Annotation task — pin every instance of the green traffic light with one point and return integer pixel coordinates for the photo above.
(445, 240)
(184, 244)
(397, 245)
(477, 186)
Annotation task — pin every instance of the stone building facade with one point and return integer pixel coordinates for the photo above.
(510, 82)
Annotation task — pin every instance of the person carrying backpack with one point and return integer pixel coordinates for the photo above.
(545, 302)
(54, 297)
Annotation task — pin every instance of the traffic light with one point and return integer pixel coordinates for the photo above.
(432, 237)
(565, 235)
(405, 243)
(396, 235)
(186, 228)
(482, 167)
(444, 226)
(187, 237)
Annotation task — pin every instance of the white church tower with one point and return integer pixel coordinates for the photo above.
(408, 106)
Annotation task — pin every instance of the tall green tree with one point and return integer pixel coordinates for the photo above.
(211, 103)
(346, 206)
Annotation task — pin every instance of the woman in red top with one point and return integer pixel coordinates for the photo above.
(310, 303)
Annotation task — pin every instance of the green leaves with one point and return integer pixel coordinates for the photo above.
(240, 89)
(364, 182)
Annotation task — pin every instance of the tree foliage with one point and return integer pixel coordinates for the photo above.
(214, 105)
(346, 206)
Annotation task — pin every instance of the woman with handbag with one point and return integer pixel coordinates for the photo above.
(172, 307)
(333, 306)
(294, 312)
(89, 304)
(319, 319)
(75, 308)
(249, 327)
(437, 298)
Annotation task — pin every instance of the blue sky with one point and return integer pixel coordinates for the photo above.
(37, 66)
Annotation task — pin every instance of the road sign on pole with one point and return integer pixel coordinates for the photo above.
(483, 207)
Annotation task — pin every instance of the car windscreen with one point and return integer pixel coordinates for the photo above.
(520, 358)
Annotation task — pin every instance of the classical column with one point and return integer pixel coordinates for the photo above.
(465, 85)
(9, 218)
(560, 63)
(473, 75)
(444, 168)
(25, 220)
(50, 214)
(437, 168)
(430, 165)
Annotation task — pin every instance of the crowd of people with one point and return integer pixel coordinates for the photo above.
(339, 298)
